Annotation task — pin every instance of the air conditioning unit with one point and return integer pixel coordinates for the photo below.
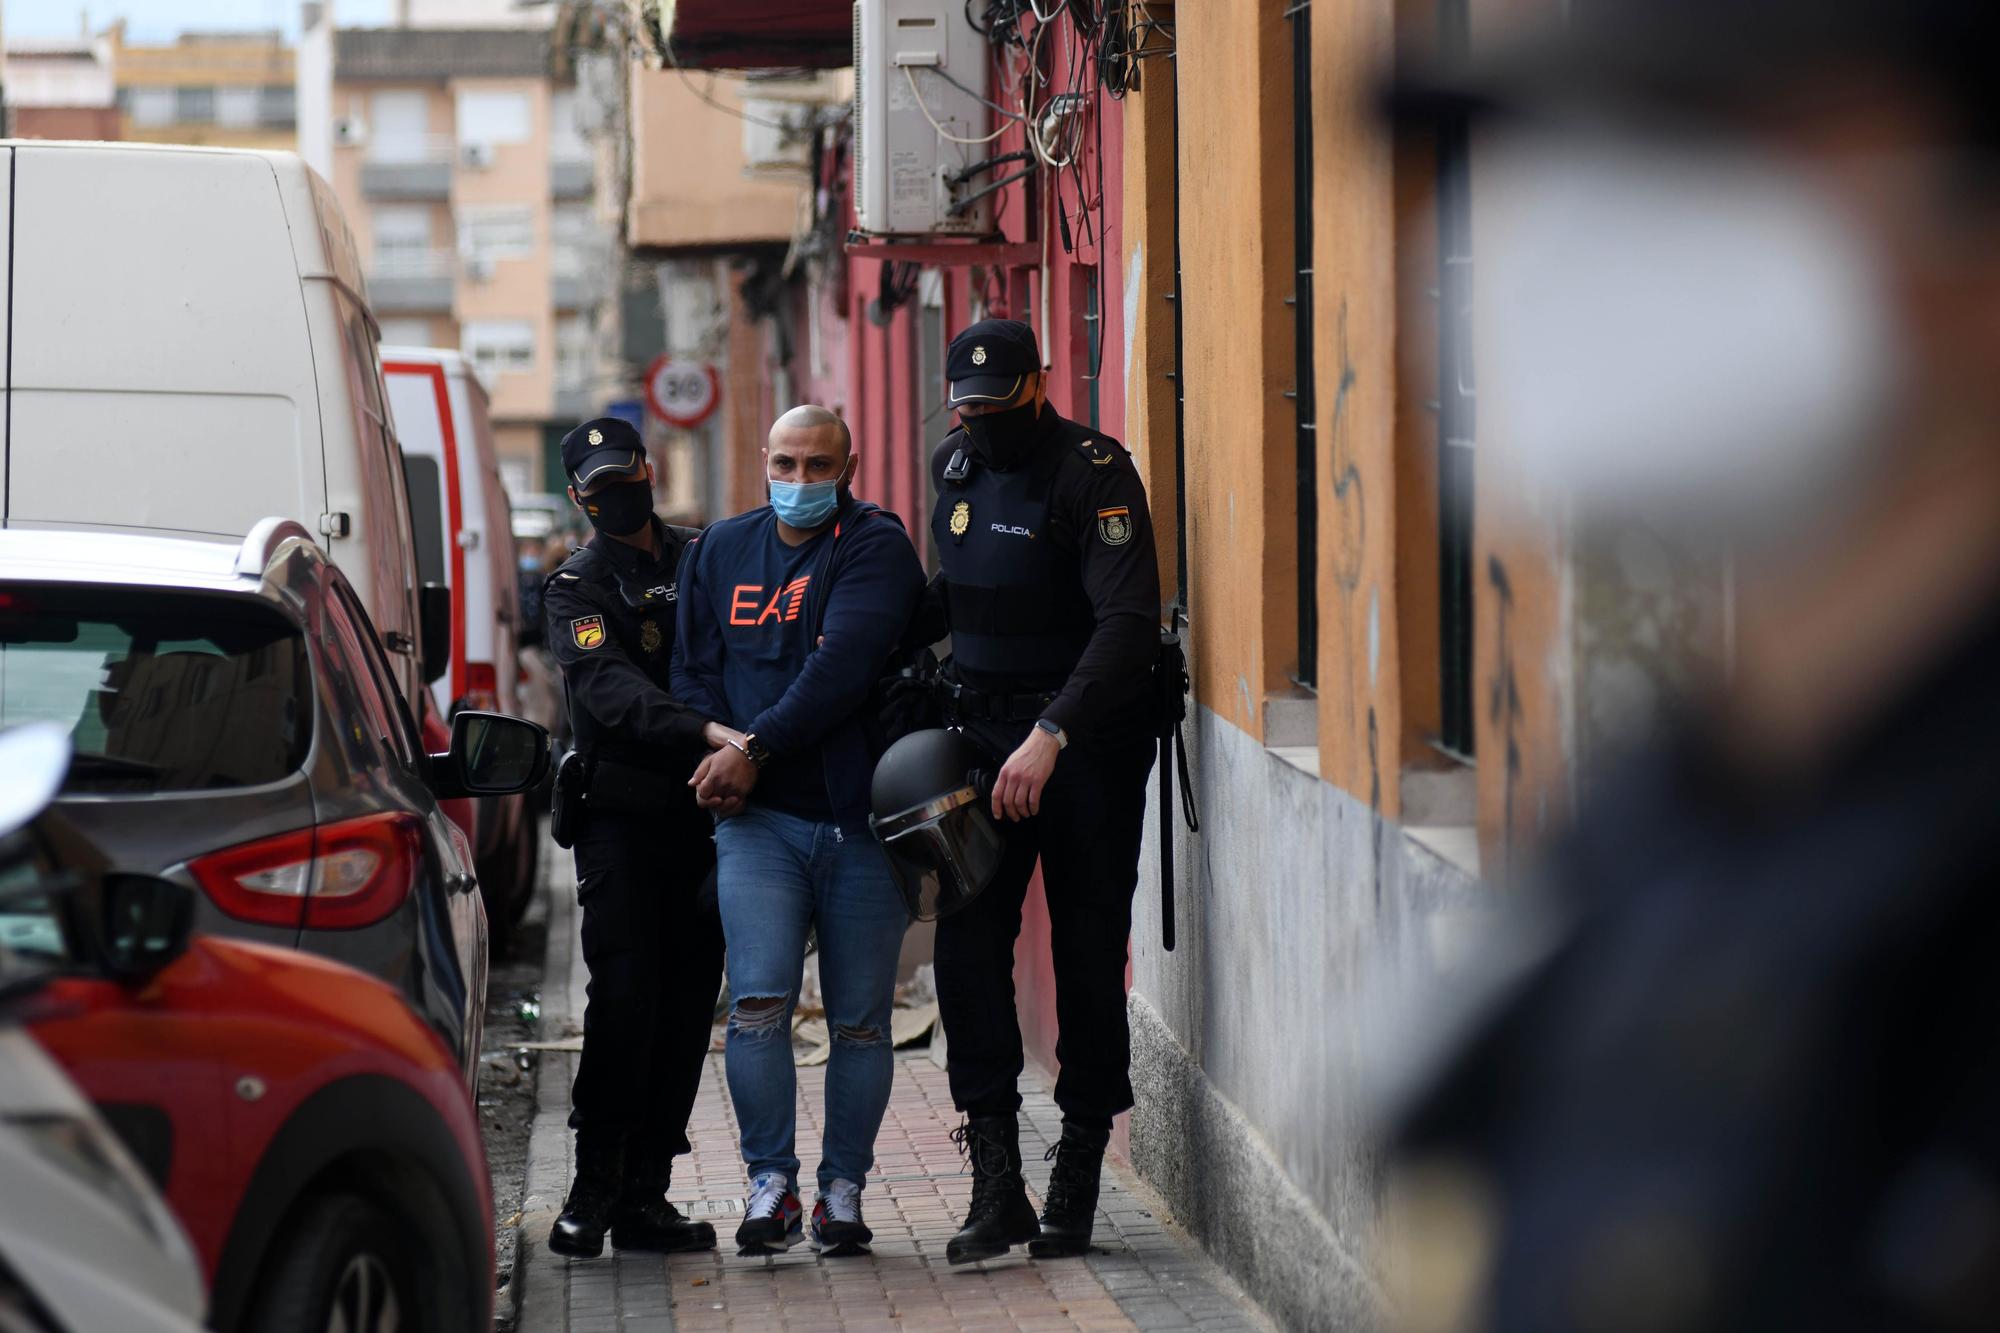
(350, 132)
(479, 268)
(478, 156)
(777, 138)
(908, 118)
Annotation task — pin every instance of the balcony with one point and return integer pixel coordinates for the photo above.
(579, 270)
(412, 282)
(412, 167)
(571, 176)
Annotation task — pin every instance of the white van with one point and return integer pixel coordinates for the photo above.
(192, 350)
(463, 540)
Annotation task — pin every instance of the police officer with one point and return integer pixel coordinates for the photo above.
(643, 853)
(1050, 589)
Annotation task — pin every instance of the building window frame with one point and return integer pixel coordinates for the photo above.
(1305, 399)
(1457, 423)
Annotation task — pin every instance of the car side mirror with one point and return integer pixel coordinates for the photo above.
(434, 624)
(143, 925)
(490, 755)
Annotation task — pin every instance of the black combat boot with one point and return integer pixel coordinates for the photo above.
(1000, 1216)
(1071, 1203)
(643, 1219)
(586, 1215)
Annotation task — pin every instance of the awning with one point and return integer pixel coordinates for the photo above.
(759, 34)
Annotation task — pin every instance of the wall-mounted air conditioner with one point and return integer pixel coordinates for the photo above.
(777, 137)
(909, 116)
(477, 156)
(350, 132)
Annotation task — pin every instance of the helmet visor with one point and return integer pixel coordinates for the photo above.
(943, 853)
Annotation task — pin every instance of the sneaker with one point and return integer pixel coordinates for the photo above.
(837, 1227)
(773, 1221)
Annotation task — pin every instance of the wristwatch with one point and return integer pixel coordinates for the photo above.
(1062, 737)
(753, 750)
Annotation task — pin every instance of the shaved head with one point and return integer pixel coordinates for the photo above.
(811, 418)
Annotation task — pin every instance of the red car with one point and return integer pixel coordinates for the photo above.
(315, 1137)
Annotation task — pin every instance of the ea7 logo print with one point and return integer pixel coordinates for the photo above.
(588, 631)
(748, 607)
(1014, 530)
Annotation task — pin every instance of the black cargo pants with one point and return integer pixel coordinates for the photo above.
(652, 942)
(1087, 838)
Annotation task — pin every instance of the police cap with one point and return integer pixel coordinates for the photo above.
(988, 360)
(602, 450)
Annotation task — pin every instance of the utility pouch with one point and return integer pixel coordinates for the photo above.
(566, 809)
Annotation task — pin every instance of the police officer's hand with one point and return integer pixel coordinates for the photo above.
(1017, 792)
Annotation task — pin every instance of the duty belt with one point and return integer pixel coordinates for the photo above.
(970, 704)
(629, 789)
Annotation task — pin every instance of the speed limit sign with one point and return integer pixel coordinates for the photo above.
(682, 393)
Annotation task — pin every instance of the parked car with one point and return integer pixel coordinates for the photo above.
(315, 1138)
(200, 318)
(463, 542)
(239, 730)
(86, 1241)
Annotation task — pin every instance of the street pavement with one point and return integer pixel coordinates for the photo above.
(1143, 1272)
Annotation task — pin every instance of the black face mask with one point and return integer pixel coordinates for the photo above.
(619, 510)
(1003, 439)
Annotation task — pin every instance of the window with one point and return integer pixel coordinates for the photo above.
(427, 515)
(278, 106)
(399, 125)
(1304, 399)
(402, 232)
(402, 727)
(152, 108)
(504, 232)
(406, 332)
(1456, 425)
(158, 691)
(566, 138)
(361, 707)
(499, 346)
(494, 116)
(575, 239)
(194, 106)
(238, 108)
(573, 352)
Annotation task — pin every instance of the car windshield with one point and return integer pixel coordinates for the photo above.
(159, 691)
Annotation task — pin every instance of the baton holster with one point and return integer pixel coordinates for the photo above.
(1170, 691)
(566, 804)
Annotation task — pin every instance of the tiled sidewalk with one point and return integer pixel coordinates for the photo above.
(1142, 1273)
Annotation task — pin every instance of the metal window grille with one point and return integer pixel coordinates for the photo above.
(1456, 404)
(1304, 399)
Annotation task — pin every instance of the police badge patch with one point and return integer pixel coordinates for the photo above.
(649, 637)
(961, 518)
(1115, 525)
(588, 631)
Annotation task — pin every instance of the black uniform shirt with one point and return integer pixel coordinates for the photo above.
(610, 613)
(1102, 536)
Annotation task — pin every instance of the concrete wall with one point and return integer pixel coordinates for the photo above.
(1305, 901)
(688, 187)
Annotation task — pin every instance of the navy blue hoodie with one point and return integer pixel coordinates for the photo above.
(787, 642)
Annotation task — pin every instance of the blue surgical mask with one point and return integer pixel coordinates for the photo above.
(805, 504)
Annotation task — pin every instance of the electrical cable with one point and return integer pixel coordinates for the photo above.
(910, 73)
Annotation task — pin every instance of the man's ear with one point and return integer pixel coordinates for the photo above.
(574, 498)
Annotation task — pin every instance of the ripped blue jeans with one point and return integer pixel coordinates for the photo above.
(777, 875)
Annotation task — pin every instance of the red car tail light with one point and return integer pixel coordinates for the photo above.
(482, 688)
(349, 874)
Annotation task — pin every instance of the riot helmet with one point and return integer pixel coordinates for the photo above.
(931, 818)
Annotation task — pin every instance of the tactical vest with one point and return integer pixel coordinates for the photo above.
(1016, 599)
